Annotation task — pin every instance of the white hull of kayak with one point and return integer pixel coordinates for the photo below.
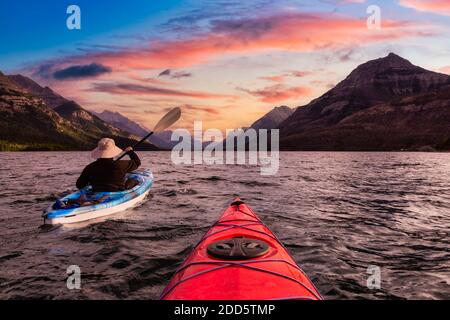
(81, 217)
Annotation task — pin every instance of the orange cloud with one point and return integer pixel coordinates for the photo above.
(280, 78)
(197, 108)
(277, 79)
(436, 6)
(445, 70)
(148, 80)
(278, 93)
(293, 32)
(133, 89)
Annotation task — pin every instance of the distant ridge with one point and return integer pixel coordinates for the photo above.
(272, 119)
(269, 121)
(118, 120)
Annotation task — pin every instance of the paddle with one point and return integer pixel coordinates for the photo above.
(169, 119)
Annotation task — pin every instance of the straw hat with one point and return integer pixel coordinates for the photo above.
(106, 148)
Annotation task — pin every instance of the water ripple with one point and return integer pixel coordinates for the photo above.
(337, 213)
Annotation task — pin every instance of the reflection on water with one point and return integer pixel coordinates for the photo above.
(337, 213)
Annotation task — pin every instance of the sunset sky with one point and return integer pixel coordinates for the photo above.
(225, 62)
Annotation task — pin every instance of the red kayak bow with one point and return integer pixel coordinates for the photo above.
(239, 258)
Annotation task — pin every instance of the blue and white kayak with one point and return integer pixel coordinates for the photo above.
(100, 203)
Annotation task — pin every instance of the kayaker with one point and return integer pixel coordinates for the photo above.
(105, 174)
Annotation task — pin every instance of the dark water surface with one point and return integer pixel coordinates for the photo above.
(337, 213)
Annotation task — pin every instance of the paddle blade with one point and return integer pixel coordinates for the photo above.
(169, 119)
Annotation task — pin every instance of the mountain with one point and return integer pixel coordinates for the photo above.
(161, 139)
(28, 123)
(85, 120)
(120, 121)
(95, 127)
(269, 121)
(418, 123)
(348, 116)
(272, 119)
(51, 98)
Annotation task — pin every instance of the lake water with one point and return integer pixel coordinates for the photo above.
(337, 213)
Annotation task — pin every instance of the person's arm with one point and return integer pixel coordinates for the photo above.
(135, 162)
(83, 180)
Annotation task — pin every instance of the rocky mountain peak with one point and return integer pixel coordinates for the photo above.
(377, 69)
(112, 116)
(395, 60)
(272, 119)
(381, 80)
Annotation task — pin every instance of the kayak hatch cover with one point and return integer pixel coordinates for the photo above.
(111, 202)
(239, 258)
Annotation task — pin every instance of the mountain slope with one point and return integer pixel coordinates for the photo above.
(413, 123)
(316, 126)
(50, 97)
(91, 125)
(28, 123)
(96, 128)
(161, 139)
(80, 117)
(120, 121)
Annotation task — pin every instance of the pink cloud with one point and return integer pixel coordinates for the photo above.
(198, 108)
(289, 32)
(134, 89)
(278, 79)
(436, 6)
(278, 93)
(300, 74)
(445, 70)
(282, 77)
(149, 80)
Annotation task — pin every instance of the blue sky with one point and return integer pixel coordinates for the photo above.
(39, 27)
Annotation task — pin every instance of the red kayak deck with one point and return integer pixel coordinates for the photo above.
(271, 275)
